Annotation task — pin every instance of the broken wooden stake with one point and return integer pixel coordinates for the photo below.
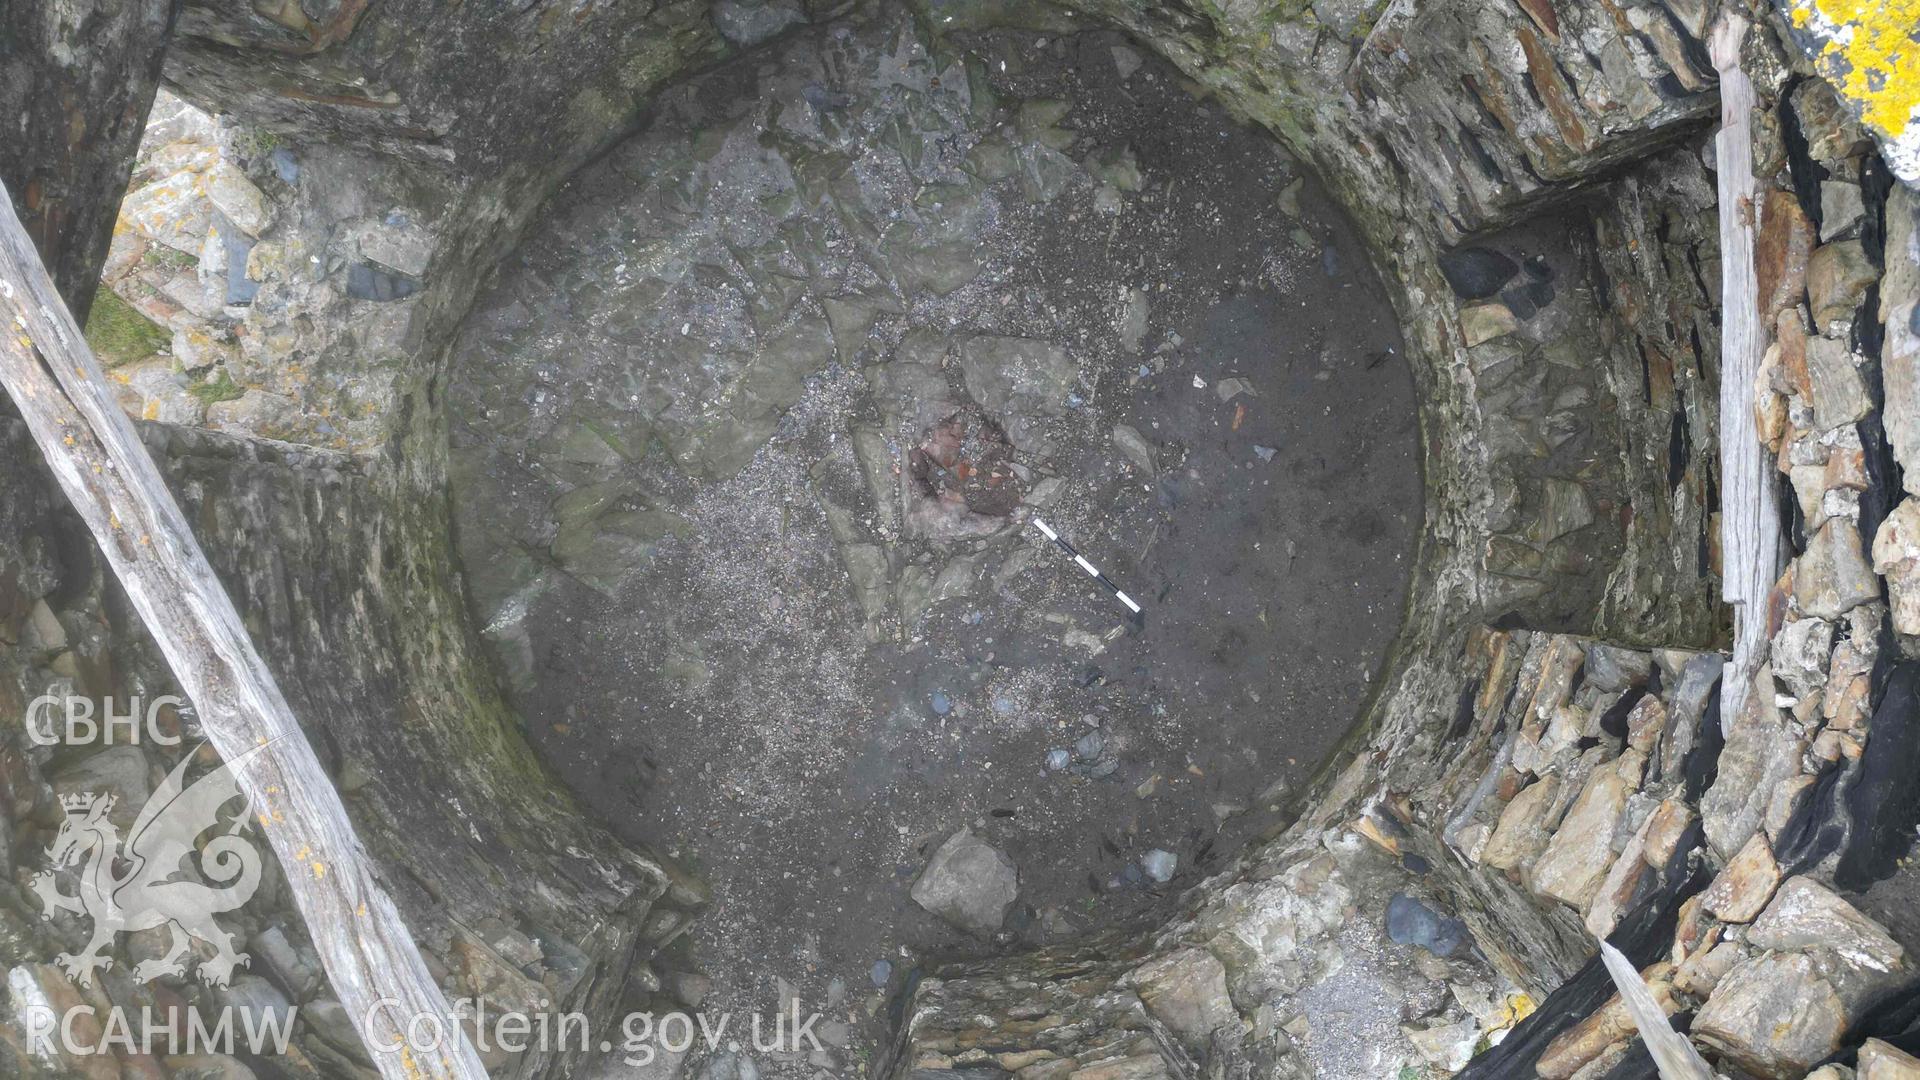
(97, 456)
(1673, 1054)
(1749, 522)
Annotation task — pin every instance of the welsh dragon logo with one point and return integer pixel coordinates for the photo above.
(155, 888)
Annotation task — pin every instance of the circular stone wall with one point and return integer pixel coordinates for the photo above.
(424, 139)
(749, 436)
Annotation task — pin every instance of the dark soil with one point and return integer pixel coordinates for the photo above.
(729, 700)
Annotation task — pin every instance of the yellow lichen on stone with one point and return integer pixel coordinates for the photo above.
(1869, 52)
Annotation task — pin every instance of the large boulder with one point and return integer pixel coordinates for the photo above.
(1821, 964)
(969, 883)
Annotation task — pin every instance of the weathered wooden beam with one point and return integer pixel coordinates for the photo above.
(97, 456)
(76, 82)
(1749, 521)
(1673, 1054)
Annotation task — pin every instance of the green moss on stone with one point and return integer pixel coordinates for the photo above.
(119, 334)
(257, 142)
(216, 390)
(172, 258)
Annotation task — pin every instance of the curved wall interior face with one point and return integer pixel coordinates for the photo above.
(750, 437)
(621, 434)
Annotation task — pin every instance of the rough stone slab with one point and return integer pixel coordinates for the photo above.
(1789, 1006)
(969, 883)
(1187, 991)
(1884, 1061)
(1839, 391)
(1833, 577)
(1774, 1015)
(1896, 554)
(1623, 879)
(1009, 374)
(1900, 352)
(1805, 914)
(234, 195)
(1745, 884)
(1667, 827)
(1838, 275)
(1522, 831)
(1576, 859)
(1759, 753)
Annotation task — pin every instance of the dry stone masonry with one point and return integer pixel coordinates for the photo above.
(1541, 761)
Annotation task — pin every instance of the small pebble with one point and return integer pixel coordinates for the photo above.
(1089, 746)
(881, 973)
(942, 704)
(1265, 452)
(1057, 760)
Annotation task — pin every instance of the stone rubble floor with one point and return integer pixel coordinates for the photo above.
(731, 482)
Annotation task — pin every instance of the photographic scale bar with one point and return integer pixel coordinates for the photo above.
(1092, 570)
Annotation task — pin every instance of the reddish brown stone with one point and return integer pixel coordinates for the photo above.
(1503, 658)
(1522, 833)
(1846, 707)
(1847, 468)
(1694, 930)
(1834, 744)
(1543, 16)
(1780, 253)
(1374, 834)
(1659, 370)
(1777, 598)
(1510, 782)
(1791, 335)
(1606, 1025)
(1667, 825)
(1553, 92)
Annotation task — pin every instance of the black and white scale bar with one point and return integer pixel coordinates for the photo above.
(1092, 570)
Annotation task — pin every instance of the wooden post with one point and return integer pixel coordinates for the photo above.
(1749, 522)
(97, 456)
